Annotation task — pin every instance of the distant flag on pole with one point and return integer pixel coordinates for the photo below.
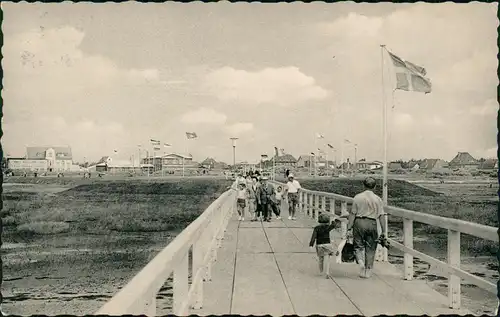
(410, 77)
(157, 148)
(264, 156)
(116, 151)
(191, 135)
(312, 153)
(320, 136)
(167, 145)
(155, 142)
(347, 141)
(330, 146)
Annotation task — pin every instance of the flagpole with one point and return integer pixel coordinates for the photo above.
(342, 158)
(315, 156)
(384, 131)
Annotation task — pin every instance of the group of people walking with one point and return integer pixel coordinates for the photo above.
(367, 210)
(262, 199)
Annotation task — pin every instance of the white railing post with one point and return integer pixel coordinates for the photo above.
(408, 242)
(151, 306)
(323, 204)
(181, 286)
(301, 201)
(197, 300)
(343, 212)
(454, 260)
(308, 202)
(332, 206)
(316, 207)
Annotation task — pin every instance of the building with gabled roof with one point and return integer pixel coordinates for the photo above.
(45, 158)
(464, 160)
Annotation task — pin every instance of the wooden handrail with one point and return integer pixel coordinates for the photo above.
(454, 226)
(139, 295)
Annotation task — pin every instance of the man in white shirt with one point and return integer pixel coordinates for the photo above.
(292, 189)
(367, 209)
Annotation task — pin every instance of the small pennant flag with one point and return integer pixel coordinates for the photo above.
(191, 135)
(330, 146)
(155, 142)
(320, 136)
(264, 156)
(347, 141)
(167, 145)
(313, 154)
(410, 77)
(116, 151)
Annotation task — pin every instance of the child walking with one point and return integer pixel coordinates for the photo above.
(321, 237)
(241, 200)
(278, 198)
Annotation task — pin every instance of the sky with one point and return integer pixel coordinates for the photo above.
(105, 77)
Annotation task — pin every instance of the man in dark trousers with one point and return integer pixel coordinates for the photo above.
(367, 209)
(265, 193)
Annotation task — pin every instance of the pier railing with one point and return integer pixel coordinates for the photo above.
(313, 203)
(201, 238)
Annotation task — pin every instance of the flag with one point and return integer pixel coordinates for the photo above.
(312, 154)
(347, 141)
(263, 156)
(330, 146)
(116, 151)
(191, 135)
(155, 142)
(156, 148)
(167, 145)
(410, 77)
(320, 136)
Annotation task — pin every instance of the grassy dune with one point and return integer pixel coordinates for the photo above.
(70, 244)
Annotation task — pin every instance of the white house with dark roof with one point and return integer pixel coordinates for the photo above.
(48, 158)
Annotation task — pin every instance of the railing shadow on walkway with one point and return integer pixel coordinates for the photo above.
(203, 237)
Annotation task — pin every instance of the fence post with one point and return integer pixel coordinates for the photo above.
(197, 300)
(343, 212)
(323, 204)
(301, 201)
(408, 242)
(454, 260)
(181, 286)
(151, 307)
(316, 209)
(307, 208)
(332, 206)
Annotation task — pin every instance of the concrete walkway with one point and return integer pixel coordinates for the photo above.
(268, 268)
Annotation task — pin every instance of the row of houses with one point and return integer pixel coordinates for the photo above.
(463, 160)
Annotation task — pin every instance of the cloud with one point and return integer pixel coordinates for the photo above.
(239, 128)
(403, 120)
(204, 115)
(489, 108)
(285, 86)
(31, 56)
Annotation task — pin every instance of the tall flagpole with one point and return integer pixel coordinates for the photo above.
(315, 156)
(342, 158)
(384, 131)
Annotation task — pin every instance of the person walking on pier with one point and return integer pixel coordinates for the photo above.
(367, 209)
(242, 196)
(292, 190)
(252, 196)
(321, 237)
(265, 193)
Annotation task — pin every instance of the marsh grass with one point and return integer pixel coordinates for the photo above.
(123, 206)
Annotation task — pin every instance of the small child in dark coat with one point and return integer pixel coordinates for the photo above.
(321, 237)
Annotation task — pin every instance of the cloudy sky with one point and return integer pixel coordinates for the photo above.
(100, 77)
